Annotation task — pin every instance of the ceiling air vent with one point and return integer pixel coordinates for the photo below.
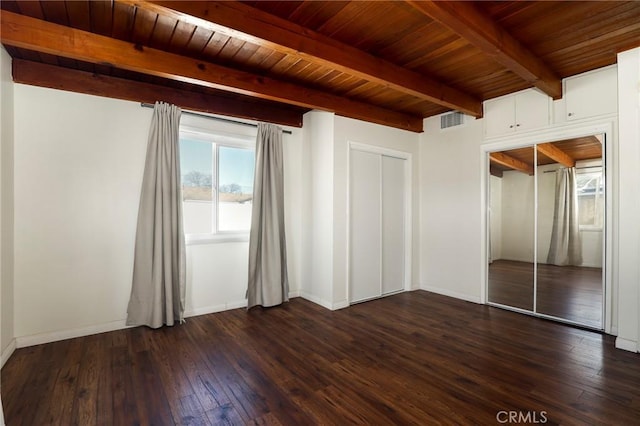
(451, 119)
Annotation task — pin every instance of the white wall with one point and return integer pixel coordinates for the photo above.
(78, 169)
(518, 215)
(628, 250)
(495, 202)
(79, 162)
(6, 207)
(317, 163)
(7, 342)
(450, 202)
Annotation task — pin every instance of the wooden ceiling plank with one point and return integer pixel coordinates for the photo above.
(556, 154)
(79, 15)
(511, 162)
(29, 33)
(101, 16)
(53, 77)
(253, 25)
(480, 30)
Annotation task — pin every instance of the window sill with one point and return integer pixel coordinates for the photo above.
(587, 228)
(197, 239)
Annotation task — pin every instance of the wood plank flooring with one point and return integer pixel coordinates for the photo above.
(569, 292)
(411, 358)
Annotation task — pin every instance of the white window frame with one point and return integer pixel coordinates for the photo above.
(218, 139)
(600, 227)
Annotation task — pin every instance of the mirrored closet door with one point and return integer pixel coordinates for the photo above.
(546, 229)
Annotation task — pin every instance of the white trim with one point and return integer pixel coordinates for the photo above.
(449, 293)
(340, 305)
(7, 352)
(374, 149)
(210, 309)
(55, 336)
(315, 299)
(199, 239)
(294, 293)
(627, 345)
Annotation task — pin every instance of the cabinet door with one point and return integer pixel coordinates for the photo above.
(499, 116)
(592, 94)
(532, 110)
(365, 239)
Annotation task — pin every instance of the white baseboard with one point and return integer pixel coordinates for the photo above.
(55, 336)
(41, 338)
(447, 292)
(324, 303)
(214, 308)
(627, 345)
(294, 293)
(315, 299)
(7, 352)
(340, 305)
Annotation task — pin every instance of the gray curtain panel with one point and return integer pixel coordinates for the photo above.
(159, 272)
(566, 246)
(268, 282)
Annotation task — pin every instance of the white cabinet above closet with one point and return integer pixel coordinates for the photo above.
(591, 94)
(520, 111)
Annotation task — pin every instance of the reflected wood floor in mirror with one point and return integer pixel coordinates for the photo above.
(411, 358)
(568, 292)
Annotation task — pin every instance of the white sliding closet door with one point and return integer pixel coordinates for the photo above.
(366, 241)
(393, 231)
(377, 225)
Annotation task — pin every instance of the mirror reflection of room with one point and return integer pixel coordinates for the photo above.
(564, 236)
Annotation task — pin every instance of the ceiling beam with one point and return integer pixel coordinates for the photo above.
(511, 162)
(556, 154)
(53, 77)
(246, 23)
(495, 171)
(41, 36)
(480, 30)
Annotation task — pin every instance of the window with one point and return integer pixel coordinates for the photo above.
(590, 188)
(217, 183)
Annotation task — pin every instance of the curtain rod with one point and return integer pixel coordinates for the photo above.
(577, 168)
(226, 120)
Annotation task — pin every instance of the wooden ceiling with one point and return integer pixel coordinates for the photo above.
(566, 152)
(391, 63)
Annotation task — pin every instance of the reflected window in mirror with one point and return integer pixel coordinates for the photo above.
(590, 189)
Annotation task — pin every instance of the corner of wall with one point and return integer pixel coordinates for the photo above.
(7, 328)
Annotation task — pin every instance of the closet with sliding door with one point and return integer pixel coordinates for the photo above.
(378, 207)
(546, 230)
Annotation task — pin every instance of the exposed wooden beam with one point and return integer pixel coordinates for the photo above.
(511, 162)
(494, 171)
(41, 36)
(43, 75)
(556, 154)
(479, 29)
(243, 22)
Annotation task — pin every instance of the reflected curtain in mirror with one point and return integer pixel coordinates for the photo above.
(565, 247)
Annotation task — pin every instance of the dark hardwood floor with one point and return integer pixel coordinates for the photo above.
(568, 292)
(411, 358)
